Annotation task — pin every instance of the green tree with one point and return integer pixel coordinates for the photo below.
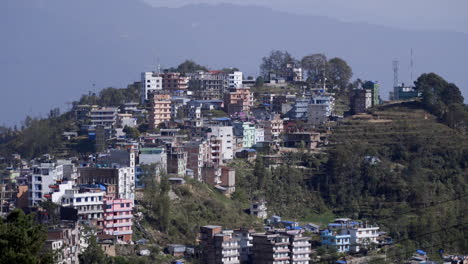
(339, 73)
(259, 82)
(190, 66)
(315, 65)
(276, 63)
(22, 240)
(93, 254)
(131, 132)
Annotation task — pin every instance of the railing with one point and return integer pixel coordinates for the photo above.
(111, 217)
(126, 232)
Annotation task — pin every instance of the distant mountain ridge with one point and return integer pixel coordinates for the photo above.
(56, 50)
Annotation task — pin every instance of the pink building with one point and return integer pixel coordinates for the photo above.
(118, 218)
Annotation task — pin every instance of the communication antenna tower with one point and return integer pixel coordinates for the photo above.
(396, 66)
(158, 66)
(411, 66)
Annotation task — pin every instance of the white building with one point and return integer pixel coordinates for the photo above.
(44, 176)
(320, 109)
(225, 135)
(104, 116)
(362, 236)
(124, 120)
(235, 79)
(88, 204)
(259, 134)
(60, 191)
(150, 81)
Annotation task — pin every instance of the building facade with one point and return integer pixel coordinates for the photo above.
(150, 81)
(160, 108)
(218, 246)
(118, 219)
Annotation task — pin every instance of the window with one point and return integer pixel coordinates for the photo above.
(148, 81)
(148, 86)
(108, 206)
(78, 200)
(122, 205)
(128, 204)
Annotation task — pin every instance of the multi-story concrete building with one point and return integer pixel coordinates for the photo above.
(150, 81)
(361, 100)
(238, 100)
(374, 87)
(402, 92)
(218, 246)
(65, 240)
(221, 140)
(273, 128)
(118, 219)
(247, 131)
(177, 162)
(160, 108)
(156, 156)
(87, 202)
(271, 249)
(259, 134)
(281, 247)
(209, 85)
(259, 209)
(177, 106)
(228, 179)
(173, 81)
(320, 109)
(299, 247)
(104, 116)
(244, 236)
(122, 178)
(198, 154)
(334, 239)
(44, 176)
(235, 79)
(361, 236)
(299, 109)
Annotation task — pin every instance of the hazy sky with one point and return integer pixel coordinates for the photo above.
(408, 14)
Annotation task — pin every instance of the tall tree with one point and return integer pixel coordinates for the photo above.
(190, 66)
(22, 240)
(277, 63)
(316, 66)
(339, 73)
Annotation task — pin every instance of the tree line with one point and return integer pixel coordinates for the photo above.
(334, 73)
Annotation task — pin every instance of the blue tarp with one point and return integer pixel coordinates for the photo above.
(341, 261)
(421, 252)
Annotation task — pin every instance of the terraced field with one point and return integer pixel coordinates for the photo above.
(393, 124)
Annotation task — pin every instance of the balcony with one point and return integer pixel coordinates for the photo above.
(111, 217)
(301, 258)
(122, 224)
(235, 253)
(126, 232)
(129, 209)
(301, 244)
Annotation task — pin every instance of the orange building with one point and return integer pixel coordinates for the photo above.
(238, 100)
(160, 108)
(172, 81)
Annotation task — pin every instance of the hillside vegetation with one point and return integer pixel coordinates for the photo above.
(398, 167)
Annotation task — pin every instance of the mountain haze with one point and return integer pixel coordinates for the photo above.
(53, 51)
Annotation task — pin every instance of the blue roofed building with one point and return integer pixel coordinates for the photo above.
(333, 239)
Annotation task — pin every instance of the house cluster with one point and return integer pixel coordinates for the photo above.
(96, 193)
(185, 126)
(346, 235)
(246, 246)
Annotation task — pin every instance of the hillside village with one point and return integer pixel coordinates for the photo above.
(192, 134)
